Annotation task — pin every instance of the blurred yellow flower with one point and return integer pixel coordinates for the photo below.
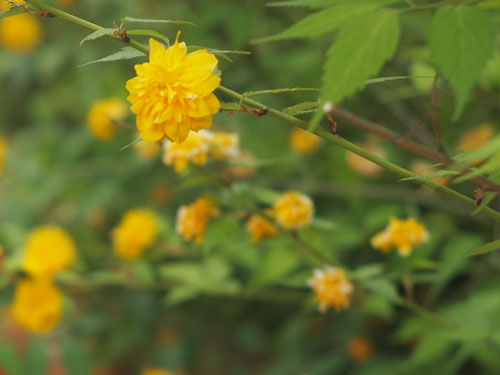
(48, 249)
(173, 92)
(402, 235)
(137, 231)
(476, 138)
(5, 5)
(193, 149)
(303, 142)
(332, 288)
(37, 305)
(20, 33)
(422, 167)
(363, 166)
(224, 146)
(360, 348)
(3, 153)
(156, 371)
(148, 150)
(192, 220)
(102, 117)
(293, 210)
(259, 227)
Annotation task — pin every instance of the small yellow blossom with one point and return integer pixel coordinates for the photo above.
(5, 5)
(48, 250)
(148, 150)
(363, 166)
(332, 288)
(259, 227)
(137, 231)
(422, 168)
(173, 92)
(476, 138)
(102, 117)
(360, 349)
(37, 305)
(303, 142)
(192, 220)
(293, 210)
(3, 153)
(20, 33)
(402, 235)
(193, 149)
(224, 146)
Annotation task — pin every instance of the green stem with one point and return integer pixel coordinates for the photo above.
(322, 132)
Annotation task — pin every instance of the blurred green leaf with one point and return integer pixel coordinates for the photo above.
(360, 50)
(461, 41)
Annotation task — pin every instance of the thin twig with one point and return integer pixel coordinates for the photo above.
(435, 115)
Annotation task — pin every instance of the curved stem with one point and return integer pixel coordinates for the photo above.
(320, 131)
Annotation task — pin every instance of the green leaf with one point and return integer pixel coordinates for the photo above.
(146, 32)
(276, 91)
(124, 54)
(487, 248)
(490, 4)
(461, 41)
(322, 22)
(388, 79)
(98, 34)
(359, 53)
(301, 108)
(145, 20)
(486, 201)
(324, 3)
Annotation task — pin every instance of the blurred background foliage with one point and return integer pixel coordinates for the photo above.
(228, 306)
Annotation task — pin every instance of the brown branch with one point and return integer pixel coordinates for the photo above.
(409, 145)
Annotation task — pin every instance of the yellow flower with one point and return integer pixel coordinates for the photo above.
(303, 142)
(401, 235)
(332, 288)
(48, 249)
(148, 150)
(20, 33)
(422, 167)
(224, 146)
(259, 227)
(193, 149)
(476, 138)
(5, 5)
(360, 348)
(364, 166)
(102, 117)
(192, 220)
(173, 93)
(293, 210)
(137, 231)
(3, 153)
(37, 305)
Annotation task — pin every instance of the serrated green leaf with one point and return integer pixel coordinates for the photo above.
(461, 41)
(388, 79)
(277, 91)
(97, 34)
(124, 54)
(322, 22)
(146, 32)
(359, 52)
(147, 20)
